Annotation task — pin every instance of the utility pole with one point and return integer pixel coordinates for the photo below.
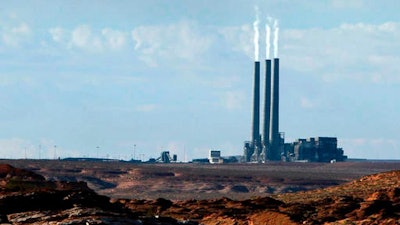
(97, 151)
(134, 151)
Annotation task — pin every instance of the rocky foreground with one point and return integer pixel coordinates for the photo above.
(28, 198)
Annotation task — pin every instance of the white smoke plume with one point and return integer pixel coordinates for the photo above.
(256, 35)
(268, 38)
(276, 38)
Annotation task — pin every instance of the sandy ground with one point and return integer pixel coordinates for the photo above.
(202, 181)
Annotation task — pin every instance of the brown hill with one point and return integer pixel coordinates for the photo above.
(26, 198)
(373, 199)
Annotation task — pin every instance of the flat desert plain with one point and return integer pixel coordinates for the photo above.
(183, 181)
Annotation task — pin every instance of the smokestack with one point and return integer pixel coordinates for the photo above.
(274, 153)
(256, 105)
(267, 108)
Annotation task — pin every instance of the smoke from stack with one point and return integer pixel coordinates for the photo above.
(268, 38)
(256, 36)
(276, 37)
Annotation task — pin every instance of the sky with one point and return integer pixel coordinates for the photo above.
(129, 79)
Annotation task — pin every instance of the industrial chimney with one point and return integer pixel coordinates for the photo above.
(269, 146)
(256, 110)
(274, 138)
(267, 111)
(253, 147)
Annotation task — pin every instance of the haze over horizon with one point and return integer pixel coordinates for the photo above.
(96, 78)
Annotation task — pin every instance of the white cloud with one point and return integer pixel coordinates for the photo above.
(85, 38)
(359, 52)
(362, 52)
(23, 29)
(16, 35)
(240, 39)
(114, 38)
(82, 37)
(58, 34)
(387, 28)
(179, 41)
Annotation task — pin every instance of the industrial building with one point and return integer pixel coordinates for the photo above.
(315, 149)
(166, 157)
(214, 157)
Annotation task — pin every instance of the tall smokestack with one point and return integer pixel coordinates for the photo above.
(274, 153)
(256, 106)
(267, 109)
(251, 149)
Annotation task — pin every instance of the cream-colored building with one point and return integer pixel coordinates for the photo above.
(214, 156)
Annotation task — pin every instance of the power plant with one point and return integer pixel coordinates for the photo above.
(270, 146)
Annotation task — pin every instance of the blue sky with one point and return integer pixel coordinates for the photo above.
(177, 75)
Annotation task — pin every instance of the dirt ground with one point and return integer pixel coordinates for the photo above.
(183, 181)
